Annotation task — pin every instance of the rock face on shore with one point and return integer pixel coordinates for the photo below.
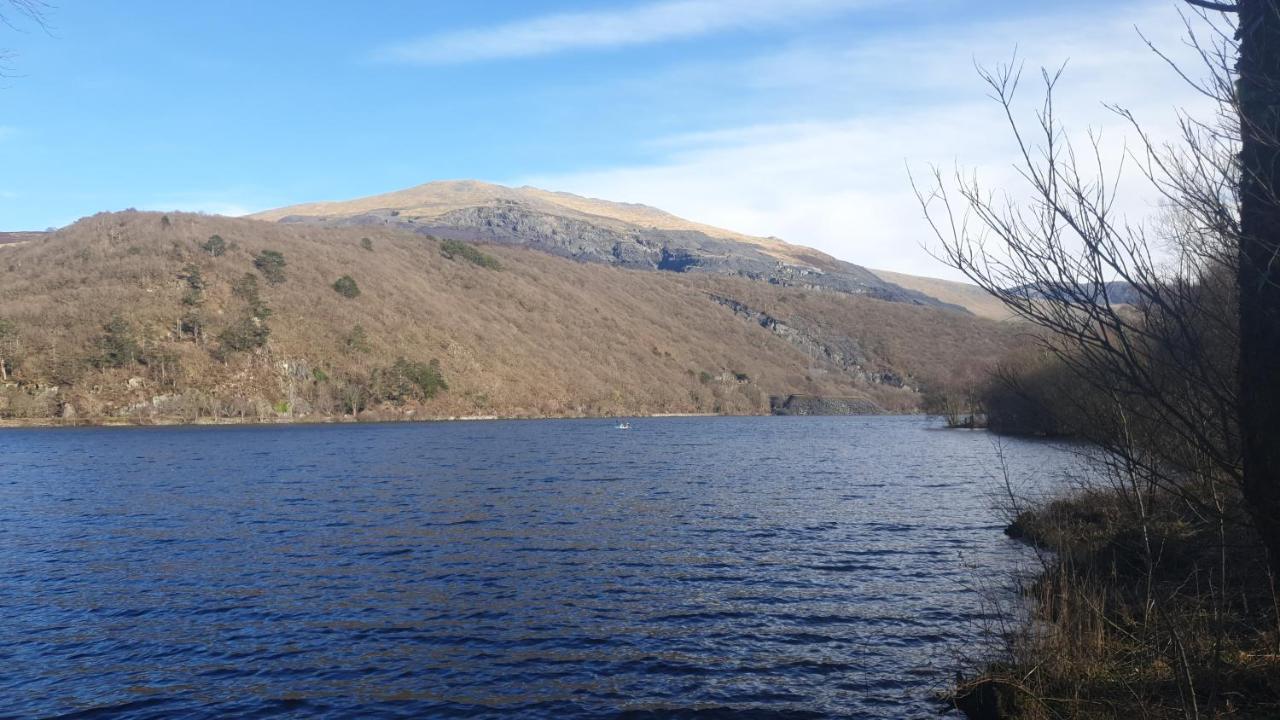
(814, 405)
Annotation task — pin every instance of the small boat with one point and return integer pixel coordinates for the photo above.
(623, 426)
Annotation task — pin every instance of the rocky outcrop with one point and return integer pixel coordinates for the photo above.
(842, 352)
(814, 405)
(631, 246)
(847, 356)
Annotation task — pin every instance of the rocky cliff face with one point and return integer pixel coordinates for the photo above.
(814, 405)
(534, 219)
(840, 351)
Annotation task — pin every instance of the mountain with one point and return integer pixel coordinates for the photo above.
(1115, 292)
(983, 304)
(155, 318)
(598, 231)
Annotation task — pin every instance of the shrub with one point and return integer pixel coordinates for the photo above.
(426, 377)
(195, 285)
(271, 264)
(366, 243)
(191, 274)
(191, 324)
(248, 333)
(452, 249)
(407, 379)
(215, 246)
(8, 348)
(352, 395)
(346, 287)
(163, 365)
(246, 288)
(165, 222)
(356, 340)
(117, 346)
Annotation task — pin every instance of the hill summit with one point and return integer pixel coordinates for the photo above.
(598, 231)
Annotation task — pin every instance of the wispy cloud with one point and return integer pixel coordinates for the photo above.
(637, 25)
(838, 182)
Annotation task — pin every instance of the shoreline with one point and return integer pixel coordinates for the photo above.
(173, 422)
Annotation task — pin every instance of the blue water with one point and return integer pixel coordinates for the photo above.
(689, 567)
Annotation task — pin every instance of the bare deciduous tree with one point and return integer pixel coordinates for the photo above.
(12, 14)
(1190, 365)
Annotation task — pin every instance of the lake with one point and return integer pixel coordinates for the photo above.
(688, 567)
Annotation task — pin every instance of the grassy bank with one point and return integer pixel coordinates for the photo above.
(1147, 604)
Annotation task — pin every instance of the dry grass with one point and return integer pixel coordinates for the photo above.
(1156, 610)
(966, 295)
(541, 337)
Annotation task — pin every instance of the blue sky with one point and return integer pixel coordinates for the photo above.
(793, 118)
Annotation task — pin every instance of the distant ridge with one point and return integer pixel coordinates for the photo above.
(966, 295)
(8, 238)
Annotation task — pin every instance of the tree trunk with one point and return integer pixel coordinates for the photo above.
(1259, 266)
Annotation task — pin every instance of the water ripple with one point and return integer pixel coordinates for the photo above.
(691, 568)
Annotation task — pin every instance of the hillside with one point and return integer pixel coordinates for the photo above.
(598, 231)
(137, 316)
(966, 295)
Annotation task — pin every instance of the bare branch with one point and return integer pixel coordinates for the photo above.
(1220, 7)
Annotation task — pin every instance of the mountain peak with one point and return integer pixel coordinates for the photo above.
(587, 229)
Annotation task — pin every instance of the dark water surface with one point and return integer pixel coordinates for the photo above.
(709, 567)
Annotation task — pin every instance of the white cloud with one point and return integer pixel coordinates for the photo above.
(637, 25)
(841, 184)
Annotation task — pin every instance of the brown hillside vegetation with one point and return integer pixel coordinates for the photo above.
(966, 295)
(924, 347)
(7, 238)
(141, 316)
